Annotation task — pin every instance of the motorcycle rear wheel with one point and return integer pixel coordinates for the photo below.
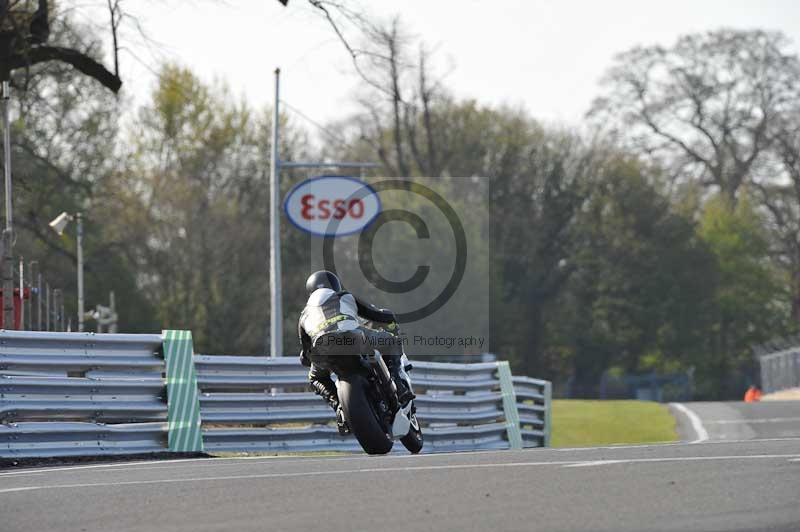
(362, 417)
(413, 441)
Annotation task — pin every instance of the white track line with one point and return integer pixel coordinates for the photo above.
(231, 460)
(98, 466)
(662, 444)
(266, 459)
(697, 425)
(749, 421)
(594, 463)
(400, 469)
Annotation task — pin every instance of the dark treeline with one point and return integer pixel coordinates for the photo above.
(662, 234)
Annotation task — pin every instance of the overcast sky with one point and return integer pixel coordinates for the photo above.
(544, 55)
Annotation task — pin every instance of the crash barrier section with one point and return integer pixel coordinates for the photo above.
(75, 394)
(86, 394)
(262, 404)
(780, 370)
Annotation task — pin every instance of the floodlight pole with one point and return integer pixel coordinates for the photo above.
(7, 151)
(79, 218)
(276, 312)
(47, 311)
(8, 241)
(21, 294)
(39, 300)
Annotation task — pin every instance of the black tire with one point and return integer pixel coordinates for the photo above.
(413, 441)
(361, 417)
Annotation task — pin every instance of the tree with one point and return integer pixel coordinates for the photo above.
(539, 184)
(641, 281)
(23, 43)
(398, 125)
(190, 204)
(703, 107)
(64, 140)
(192, 150)
(780, 197)
(537, 179)
(747, 309)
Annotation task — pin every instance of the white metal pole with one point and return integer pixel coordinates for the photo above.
(8, 241)
(80, 272)
(112, 327)
(21, 294)
(276, 312)
(39, 300)
(7, 151)
(47, 312)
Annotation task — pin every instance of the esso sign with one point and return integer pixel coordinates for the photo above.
(332, 205)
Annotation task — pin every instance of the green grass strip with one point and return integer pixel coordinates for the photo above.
(579, 423)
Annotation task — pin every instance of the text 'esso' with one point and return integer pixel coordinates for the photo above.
(332, 205)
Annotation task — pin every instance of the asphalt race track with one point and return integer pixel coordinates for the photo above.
(737, 420)
(752, 485)
(742, 472)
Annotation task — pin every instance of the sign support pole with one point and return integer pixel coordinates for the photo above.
(276, 312)
(276, 307)
(8, 239)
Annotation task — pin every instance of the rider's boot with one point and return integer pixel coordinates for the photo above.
(327, 390)
(341, 423)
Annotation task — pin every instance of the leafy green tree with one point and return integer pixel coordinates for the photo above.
(191, 206)
(641, 284)
(778, 191)
(747, 304)
(64, 137)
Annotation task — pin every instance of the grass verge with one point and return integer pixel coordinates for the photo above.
(578, 423)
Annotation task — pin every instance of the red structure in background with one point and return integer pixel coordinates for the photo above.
(26, 294)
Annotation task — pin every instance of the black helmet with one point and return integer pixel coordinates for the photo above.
(323, 279)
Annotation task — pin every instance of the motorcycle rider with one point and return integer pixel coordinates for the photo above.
(329, 325)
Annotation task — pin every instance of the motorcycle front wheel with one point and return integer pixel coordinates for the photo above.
(362, 416)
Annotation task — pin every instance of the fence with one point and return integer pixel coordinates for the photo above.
(461, 406)
(36, 306)
(780, 370)
(65, 394)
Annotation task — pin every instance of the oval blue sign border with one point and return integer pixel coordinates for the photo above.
(317, 178)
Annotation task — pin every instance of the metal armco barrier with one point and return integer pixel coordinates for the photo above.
(83, 394)
(71, 394)
(781, 370)
(461, 406)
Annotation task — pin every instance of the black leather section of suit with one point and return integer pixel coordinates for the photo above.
(370, 312)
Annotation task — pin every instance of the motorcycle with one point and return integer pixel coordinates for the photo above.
(368, 396)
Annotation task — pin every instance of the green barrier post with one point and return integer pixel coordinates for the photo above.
(509, 405)
(183, 402)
